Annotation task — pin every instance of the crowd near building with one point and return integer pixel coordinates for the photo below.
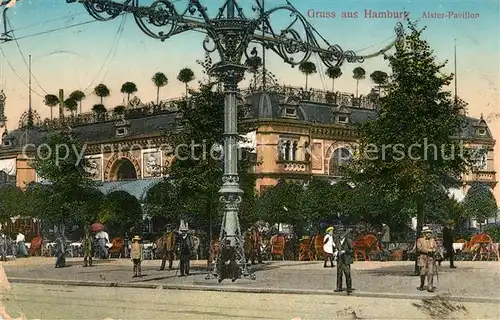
(296, 134)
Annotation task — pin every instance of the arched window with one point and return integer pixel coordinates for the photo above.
(294, 150)
(287, 150)
(340, 157)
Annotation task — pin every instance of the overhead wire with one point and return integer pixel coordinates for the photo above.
(24, 59)
(17, 74)
(48, 32)
(58, 29)
(111, 52)
(71, 16)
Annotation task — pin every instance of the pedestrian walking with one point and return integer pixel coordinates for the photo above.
(448, 238)
(22, 251)
(185, 249)
(385, 241)
(136, 254)
(102, 241)
(165, 246)
(329, 247)
(426, 248)
(60, 251)
(4, 246)
(88, 249)
(345, 257)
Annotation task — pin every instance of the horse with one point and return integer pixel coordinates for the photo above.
(36, 246)
(165, 248)
(252, 245)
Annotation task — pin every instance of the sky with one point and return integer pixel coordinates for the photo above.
(70, 50)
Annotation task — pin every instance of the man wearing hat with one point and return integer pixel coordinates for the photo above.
(448, 236)
(345, 257)
(185, 249)
(88, 249)
(227, 265)
(426, 248)
(329, 247)
(136, 255)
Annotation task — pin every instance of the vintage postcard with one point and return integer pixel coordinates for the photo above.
(253, 159)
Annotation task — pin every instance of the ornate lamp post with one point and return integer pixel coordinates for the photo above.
(230, 34)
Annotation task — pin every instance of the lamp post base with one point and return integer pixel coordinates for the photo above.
(237, 244)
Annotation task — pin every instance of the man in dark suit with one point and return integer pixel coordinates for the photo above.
(345, 257)
(185, 245)
(448, 238)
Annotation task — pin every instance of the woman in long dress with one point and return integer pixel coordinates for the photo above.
(329, 247)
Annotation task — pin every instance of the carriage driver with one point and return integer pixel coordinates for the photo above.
(426, 248)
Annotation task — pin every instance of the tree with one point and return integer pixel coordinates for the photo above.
(307, 68)
(379, 78)
(71, 105)
(333, 73)
(358, 73)
(70, 199)
(284, 203)
(479, 203)
(101, 91)
(78, 96)
(320, 202)
(160, 80)
(253, 65)
(121, 212)
(411, 148)
(119, 110)
(185, 76)
(12, 202)
(51, 100)
(162, 201)
(206, 65)
(128, 88)
(99, 108)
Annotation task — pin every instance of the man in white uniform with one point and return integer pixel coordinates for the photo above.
(102, 241)
(329, 247)
(22, 251)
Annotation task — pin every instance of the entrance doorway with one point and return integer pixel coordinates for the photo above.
(124, 170)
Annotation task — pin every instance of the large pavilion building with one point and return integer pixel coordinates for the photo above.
(296, 135)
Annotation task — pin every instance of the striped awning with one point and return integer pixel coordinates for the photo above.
(137, 188)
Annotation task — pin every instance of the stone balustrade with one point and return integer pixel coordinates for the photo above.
(293, 166)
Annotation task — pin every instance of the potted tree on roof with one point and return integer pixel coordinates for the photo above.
(99, 111)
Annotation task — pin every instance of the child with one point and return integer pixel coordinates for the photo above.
(136, 256)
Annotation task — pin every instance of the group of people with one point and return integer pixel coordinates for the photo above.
(338, 249)
(6, 245)
(175, 241)
(101, 238)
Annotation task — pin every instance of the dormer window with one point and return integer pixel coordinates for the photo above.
(343, 119)
(179, 123)
(121, 131)
(482, 132)
(290, 112)
(7, 142)
(122, 128)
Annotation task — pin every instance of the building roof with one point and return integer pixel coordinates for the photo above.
(149, 120)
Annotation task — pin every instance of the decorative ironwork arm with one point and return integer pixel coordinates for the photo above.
(160, 20)
(230, 31)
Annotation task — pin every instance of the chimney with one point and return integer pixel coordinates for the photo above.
(61, 103)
